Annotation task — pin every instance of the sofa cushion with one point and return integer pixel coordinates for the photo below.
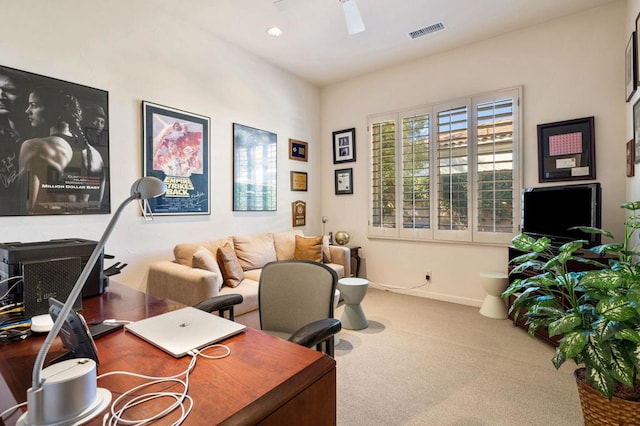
(249, 291)
(326, 251)
(204, 259)
(308, 248)
(229, 266)
(183, 253)
(285, 244)
(254, 251)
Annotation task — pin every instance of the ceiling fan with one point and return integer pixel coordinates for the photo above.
(352, 16)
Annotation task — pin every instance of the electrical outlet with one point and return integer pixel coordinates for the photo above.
(427, 276)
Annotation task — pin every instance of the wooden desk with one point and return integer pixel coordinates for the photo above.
(356, 256)
(265, 380)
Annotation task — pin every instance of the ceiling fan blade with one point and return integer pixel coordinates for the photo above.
(352, 17)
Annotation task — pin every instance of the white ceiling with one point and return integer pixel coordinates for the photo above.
(315, 44)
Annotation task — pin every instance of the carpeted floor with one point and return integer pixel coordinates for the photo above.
(426, 362)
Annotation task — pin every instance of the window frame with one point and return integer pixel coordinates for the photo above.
(472, 234)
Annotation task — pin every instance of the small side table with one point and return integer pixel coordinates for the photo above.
(356, 256)
(353, 291)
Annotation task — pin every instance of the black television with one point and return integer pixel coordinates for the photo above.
(551, 211)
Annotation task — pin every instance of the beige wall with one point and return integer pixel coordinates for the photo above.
(569, 68)
(136, 55)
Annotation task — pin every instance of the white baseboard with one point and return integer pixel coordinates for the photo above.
(428, 294)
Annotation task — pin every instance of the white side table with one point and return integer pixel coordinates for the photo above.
(494, 283)
(353, 291)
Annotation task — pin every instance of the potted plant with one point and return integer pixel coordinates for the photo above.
(597, 312)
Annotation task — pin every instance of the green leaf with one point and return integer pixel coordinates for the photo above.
(616, 309)
(631, 205)
(592, 230)
(621, 367)
(628, 334)
(527, 243)
(558, 358)
(573, 246)
(572, 344)
(601, 380)
(564, 325)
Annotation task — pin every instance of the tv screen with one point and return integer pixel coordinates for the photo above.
(551, 210)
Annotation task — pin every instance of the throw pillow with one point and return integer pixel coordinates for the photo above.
(326, 251)
(254, 251)
(308, 248)
(204, 259)
(231, 270)
(285, 244)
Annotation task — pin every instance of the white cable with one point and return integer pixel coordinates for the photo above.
(16, 277)
(11, 409)
(116, 416)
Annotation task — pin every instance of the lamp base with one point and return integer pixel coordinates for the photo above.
(69, 395)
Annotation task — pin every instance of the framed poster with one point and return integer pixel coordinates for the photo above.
(254, 169)
(298, 181)
(176, 151)
(298, 150)
(344, 181)
(566, 150)
(54, 146)
(344, 146)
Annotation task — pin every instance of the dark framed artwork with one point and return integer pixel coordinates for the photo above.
(344, 146)
(298, 213)
(344, 181)
(637, 56)
(630, 68)
(636, 129)
(631, 159)
(566, 150)
(298, 150)
(298, 181)
(254, 169)
(37, 113)
(176, 151)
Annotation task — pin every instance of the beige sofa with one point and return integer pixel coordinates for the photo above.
(233, 265)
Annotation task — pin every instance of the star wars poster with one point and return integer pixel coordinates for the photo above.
(54, 146)
(176, 151)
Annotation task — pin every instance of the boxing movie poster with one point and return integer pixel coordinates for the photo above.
(176, 151)
(54, 146)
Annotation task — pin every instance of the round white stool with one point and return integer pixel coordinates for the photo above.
(494, 283)
(353, 291)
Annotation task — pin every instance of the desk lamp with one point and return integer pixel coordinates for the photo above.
(67, 392)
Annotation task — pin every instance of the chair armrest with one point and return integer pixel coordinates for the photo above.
(218, 303)
(180, 283)
(342, 256)
(316, 332)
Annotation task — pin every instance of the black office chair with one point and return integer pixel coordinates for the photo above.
(222, 304)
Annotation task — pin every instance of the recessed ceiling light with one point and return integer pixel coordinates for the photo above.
(274, 31)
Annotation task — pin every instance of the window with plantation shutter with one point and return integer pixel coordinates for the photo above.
(453, 167)
(383, 174)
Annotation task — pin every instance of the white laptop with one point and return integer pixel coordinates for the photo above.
(182, 330)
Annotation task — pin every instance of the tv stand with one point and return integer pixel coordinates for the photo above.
(572, 266)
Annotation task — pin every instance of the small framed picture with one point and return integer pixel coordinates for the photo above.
(344, 181)
(344, 146)
(298, 213)
(566, 150)
(636, 129)
(298, 150)
(631, 159)
(298, 181)
(630, 67)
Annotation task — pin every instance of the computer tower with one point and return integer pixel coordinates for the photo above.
(15, 255)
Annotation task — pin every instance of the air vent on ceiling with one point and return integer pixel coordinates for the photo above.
(429, 29)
